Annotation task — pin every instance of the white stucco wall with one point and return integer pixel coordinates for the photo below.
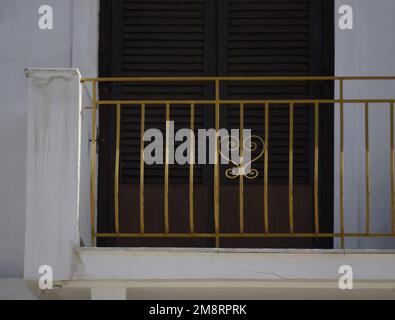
(367, 50)
(72, 43)
(85, 58)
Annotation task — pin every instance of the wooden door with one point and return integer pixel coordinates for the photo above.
(216, 38)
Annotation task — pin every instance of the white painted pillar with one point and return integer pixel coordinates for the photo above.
(53, 158)
(108, 293)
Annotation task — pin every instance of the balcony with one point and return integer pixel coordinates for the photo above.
(363, 228)
(341, 103)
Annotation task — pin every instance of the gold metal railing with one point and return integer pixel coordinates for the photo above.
(266, 103)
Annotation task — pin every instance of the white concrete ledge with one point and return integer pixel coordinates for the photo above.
(201, 264)
(219, 290)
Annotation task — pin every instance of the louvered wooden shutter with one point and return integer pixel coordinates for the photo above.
(163, 38)
(264, 38)
(225, 38)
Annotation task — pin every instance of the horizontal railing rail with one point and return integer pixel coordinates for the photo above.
(217, 102)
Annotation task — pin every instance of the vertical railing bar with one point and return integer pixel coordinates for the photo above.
(290, 182)
(166, 186)
(392, 166)
(142, 129)
(241, 174)
(341, 162)
(191, 164)
(216, 164)
(116, 173)
(316, 154)
(93, 164)
(367, 171)
(266, 170)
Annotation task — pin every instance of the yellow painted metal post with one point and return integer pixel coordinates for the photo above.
(342, 163)
(216, 164)
(392, 166)
(241, 174)
(142, 129)
(291, 168)
(367, 171)
(316, 150)
(166, 186)
(191, 165)
(116, 173)
(266, 170)
(93, 164)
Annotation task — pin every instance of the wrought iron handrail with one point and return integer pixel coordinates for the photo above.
(217, 101)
